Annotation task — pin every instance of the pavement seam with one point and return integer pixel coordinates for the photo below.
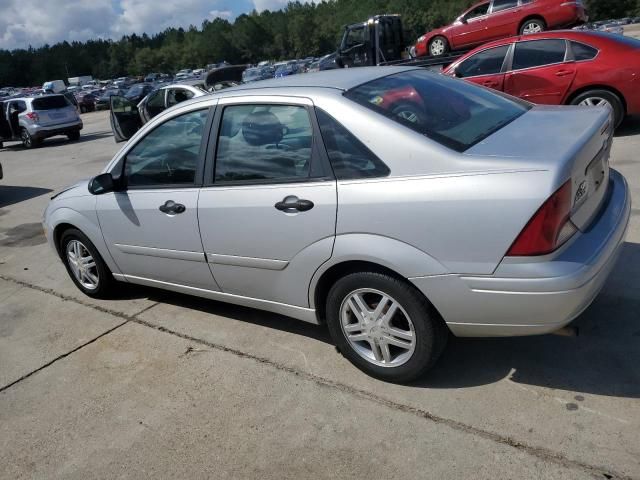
(60, 357)
(538, 452)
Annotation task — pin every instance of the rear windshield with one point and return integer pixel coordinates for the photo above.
(49, 103)
(450, 111)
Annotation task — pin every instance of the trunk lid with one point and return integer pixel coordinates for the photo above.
(571, 142)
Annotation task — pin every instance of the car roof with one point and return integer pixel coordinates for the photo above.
(576, 35)
(339, 79)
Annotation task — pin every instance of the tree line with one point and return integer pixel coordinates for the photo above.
(299, 30)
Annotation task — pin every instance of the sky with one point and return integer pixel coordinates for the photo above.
(37, 22)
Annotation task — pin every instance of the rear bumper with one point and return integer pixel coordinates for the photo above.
(40, 132)
(530, 296)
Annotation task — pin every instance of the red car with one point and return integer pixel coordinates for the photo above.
(560, 68)
(496, 19)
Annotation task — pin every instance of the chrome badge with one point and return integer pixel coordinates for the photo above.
(582, 191)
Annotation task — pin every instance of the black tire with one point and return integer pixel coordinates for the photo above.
(440, 45)
(105, 283)
(1, 145)
(532, 25)
(603, 95)
(74, 136)
(82, 109)
(430, 331)
(27, 140)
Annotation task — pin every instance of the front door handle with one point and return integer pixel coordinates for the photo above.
(564, 73)
(292, 202)
(172, 208)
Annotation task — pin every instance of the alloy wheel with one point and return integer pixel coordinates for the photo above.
(26, 138)
(595, 102)
(82, 265)
(377, 327)
(532, 27)
(437, 47)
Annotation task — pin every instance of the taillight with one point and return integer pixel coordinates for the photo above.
(549, 228)
(32, 116)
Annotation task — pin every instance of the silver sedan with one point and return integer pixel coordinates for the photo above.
(395, 205)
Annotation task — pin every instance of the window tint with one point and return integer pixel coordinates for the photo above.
(479, 11)
(169, 154)
(156, 99)
(50, 102)
(451, 112)
(487, 62)
(582, 51)
(264, 142)
(349, 157)
(503, 5)
(178, 95)
(537, 53)
(354, 37)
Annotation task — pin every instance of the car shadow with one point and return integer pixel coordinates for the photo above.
(62, 140)
(10, 195)
(630, 127)
(602, 359)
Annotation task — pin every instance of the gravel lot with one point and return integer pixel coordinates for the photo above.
(156, 384)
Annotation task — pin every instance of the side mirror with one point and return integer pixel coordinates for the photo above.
(103, 183)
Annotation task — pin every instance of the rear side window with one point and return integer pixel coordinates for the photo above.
(503, 5)
(349, 158)
(261, 143)
(50, 102)
(537, 53)
(582, 51)
(487, 62)
(452, 112)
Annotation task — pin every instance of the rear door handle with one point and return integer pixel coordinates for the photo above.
(490, 84)
(172, 208)
(564, 73)
(292, 202)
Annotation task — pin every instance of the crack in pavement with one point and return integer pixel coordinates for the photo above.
(535, 451)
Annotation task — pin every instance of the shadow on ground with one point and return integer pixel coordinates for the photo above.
(62, 140)
(10, 195)
(630, 126)
(603, 359)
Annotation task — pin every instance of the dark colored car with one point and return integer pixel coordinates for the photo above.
(291, 68)
(571, 67)
(86, 101)
(496, 19)
(257, 73)
(138, 92)
(103, 101)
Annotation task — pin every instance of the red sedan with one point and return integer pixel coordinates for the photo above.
(496, 19)
(560, 68)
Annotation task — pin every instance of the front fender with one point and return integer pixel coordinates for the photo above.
(87, 223)
(402, 258)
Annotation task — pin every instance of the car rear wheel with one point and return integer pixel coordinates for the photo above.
(532, 25)
(27, 140)
(600, 98)
(83, 109)
(384, 326)
(438, 46)
(85, 265)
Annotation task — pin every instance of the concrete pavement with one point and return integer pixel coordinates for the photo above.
(159, 384)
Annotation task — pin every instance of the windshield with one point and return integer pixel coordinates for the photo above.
(452, 112)
(49, 103)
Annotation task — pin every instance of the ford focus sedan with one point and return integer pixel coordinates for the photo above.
(331, 199)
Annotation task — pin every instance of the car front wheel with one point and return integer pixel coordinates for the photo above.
(602, 98)
(384, 326)
(85, 265)
(438, 46)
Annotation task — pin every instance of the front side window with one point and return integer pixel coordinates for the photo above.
(487, 62)
(499, 5)
(538, 53)
(479, 11)
(264, 143)
(451, 112)
(349, 157)
(354, 37)
(169, 154)
(156, 99)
